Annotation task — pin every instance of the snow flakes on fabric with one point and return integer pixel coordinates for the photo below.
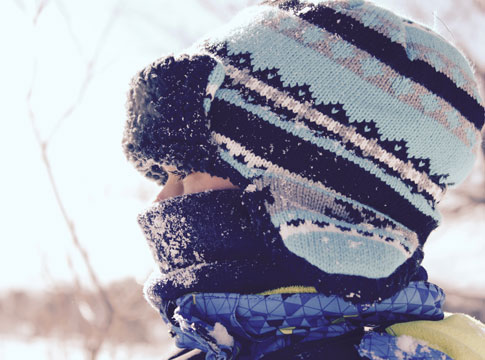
(377, 346)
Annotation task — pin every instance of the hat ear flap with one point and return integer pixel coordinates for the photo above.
(167, 107)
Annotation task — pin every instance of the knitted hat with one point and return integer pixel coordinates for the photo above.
(350, 119)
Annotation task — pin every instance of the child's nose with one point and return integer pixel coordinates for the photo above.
(171, 189)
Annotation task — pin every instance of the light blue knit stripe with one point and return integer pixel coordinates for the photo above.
(243, 169)
(417, 36)
(373, 70)
(217, 75)
(215, 79)
(301, 131)
(381, 20)
(286, 215)
(393, 27)
(339, 84)
(340, 253)
(249, 173)
(312, 249)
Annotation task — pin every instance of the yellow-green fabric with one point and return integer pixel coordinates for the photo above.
(297, 289)
(457, 335)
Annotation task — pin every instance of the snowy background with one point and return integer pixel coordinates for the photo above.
(64, 73)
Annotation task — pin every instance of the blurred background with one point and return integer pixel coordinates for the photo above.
(72, 258)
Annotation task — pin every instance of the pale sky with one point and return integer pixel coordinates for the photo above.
(101, 191)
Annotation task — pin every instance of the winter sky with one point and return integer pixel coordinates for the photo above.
(80, 108)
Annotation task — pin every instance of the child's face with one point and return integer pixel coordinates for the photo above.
(192, 183)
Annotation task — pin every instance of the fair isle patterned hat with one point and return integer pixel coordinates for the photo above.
(351, 120)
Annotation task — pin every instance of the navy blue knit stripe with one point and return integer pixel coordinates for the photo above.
(341, 116)
(395, 56)
(302, 93)
(251, 131)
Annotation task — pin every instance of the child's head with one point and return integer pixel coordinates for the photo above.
(352, 120)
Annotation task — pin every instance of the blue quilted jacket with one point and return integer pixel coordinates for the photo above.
(300, 325)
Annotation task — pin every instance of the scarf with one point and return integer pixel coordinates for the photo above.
(224, 240)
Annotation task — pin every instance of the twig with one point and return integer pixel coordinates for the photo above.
(70, 224)
(109, 310)
(480, 4)
(40, 8)
(435, 26)
(89, 74)
(65, 14)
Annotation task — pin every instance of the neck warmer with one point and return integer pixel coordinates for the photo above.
(224, 241)
(209, 242)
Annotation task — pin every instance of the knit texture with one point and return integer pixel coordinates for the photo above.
(351, 120)
(209, 241)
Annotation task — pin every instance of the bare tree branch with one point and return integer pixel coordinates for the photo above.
(71, 227)
(40, 8)
(480, 4)
(90, 71)
(65, 14)
(102, 325)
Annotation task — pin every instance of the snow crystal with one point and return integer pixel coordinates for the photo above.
(250, 188)
(221, 335)
(183, 277)
(354, 244)
(182, 322)
(352, 294)
(153, 297)
(407, 344)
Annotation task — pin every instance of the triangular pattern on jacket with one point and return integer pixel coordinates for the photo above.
(260, 324)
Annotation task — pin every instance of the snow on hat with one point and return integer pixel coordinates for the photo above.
(355, 119)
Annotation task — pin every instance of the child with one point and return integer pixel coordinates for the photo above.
(325, 134)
